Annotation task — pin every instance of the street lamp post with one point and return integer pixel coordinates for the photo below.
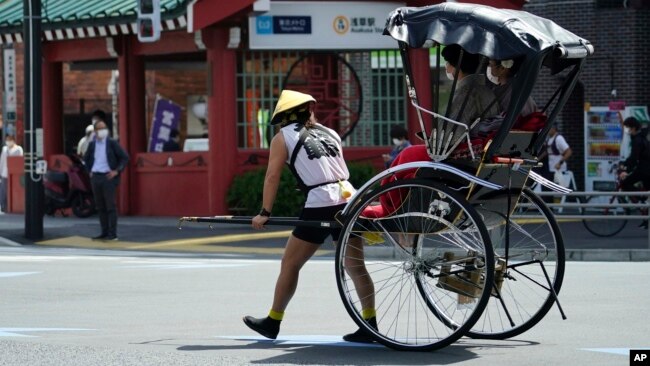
(32, 119)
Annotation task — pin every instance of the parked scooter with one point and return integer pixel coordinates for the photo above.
(69, 189)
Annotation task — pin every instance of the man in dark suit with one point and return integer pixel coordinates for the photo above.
(105, 159)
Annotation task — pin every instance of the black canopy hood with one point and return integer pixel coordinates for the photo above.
(496, 33)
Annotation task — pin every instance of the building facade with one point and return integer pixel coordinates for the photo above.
(618, 70)
(207, 61)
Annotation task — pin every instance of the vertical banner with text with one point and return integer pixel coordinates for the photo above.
(9, 91)
(166, 118)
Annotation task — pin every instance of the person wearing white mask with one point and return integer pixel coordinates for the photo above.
(10, 149)
(500, 73)
(399, 137)
(472, 98)
(105, 159)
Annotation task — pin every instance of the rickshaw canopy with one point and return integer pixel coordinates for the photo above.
(495, 33)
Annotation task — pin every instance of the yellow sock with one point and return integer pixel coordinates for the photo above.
(368, 313)
(276, 315)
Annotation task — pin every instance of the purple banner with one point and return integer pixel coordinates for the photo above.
(166, 118)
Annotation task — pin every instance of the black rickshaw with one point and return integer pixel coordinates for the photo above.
(457, 244)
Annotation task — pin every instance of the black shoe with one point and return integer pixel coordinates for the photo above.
(100, 237)
(361, 335)
(267, 327)
(111, 238)
(644, 225)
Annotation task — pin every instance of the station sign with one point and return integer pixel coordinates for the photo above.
(322, 25)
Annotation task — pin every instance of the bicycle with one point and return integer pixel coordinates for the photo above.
(611, 227)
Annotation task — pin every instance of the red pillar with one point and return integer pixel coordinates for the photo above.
(422, 80)
(222, 117)
(52, 108)
(131, 123)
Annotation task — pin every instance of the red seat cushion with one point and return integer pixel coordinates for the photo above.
(390, 201)
(532, 122)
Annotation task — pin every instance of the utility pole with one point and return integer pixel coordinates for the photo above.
(32, 121)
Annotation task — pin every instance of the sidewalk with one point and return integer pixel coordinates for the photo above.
(148, 234)
(162, 234)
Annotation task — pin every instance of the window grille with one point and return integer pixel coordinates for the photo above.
(380, 105)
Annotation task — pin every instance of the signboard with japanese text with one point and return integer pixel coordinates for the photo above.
(322, 25)
(9, 90)
(166, 118)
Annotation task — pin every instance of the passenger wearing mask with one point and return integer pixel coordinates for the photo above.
(472, 98)
(500, 73)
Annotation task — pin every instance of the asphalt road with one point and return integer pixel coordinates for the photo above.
(87, 307)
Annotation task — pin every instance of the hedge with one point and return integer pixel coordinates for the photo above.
(245, 193)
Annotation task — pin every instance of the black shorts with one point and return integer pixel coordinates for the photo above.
(317, 235)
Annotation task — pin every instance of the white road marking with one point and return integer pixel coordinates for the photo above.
(301, 340)
(9, 242)
(615, 351)
(182, 266)
(16, 274)
(15, 332)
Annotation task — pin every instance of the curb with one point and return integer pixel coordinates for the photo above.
(572, 255)
(608, 255)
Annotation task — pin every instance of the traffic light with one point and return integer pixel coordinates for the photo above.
(148, 20)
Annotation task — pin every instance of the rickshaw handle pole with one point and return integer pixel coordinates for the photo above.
(274, 221)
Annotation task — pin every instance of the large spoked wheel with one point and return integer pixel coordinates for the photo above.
(605, 227)
(420, 255)
(521, 294)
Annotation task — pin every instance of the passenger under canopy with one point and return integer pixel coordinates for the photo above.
(496, 34)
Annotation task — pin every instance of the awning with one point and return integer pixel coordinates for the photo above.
(64, 19)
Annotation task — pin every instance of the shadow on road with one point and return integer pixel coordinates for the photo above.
(343, 353)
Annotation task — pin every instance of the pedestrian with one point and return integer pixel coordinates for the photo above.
(637, 164)
(82, 146)
(315, 157)
(399, 137)
(11, 148)
(558, 152)
(105, 159)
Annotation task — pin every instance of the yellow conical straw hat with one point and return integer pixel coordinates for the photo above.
(289, 99)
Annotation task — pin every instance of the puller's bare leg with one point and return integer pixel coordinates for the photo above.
(296, 253)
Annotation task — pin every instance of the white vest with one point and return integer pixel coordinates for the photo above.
(319, 160)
